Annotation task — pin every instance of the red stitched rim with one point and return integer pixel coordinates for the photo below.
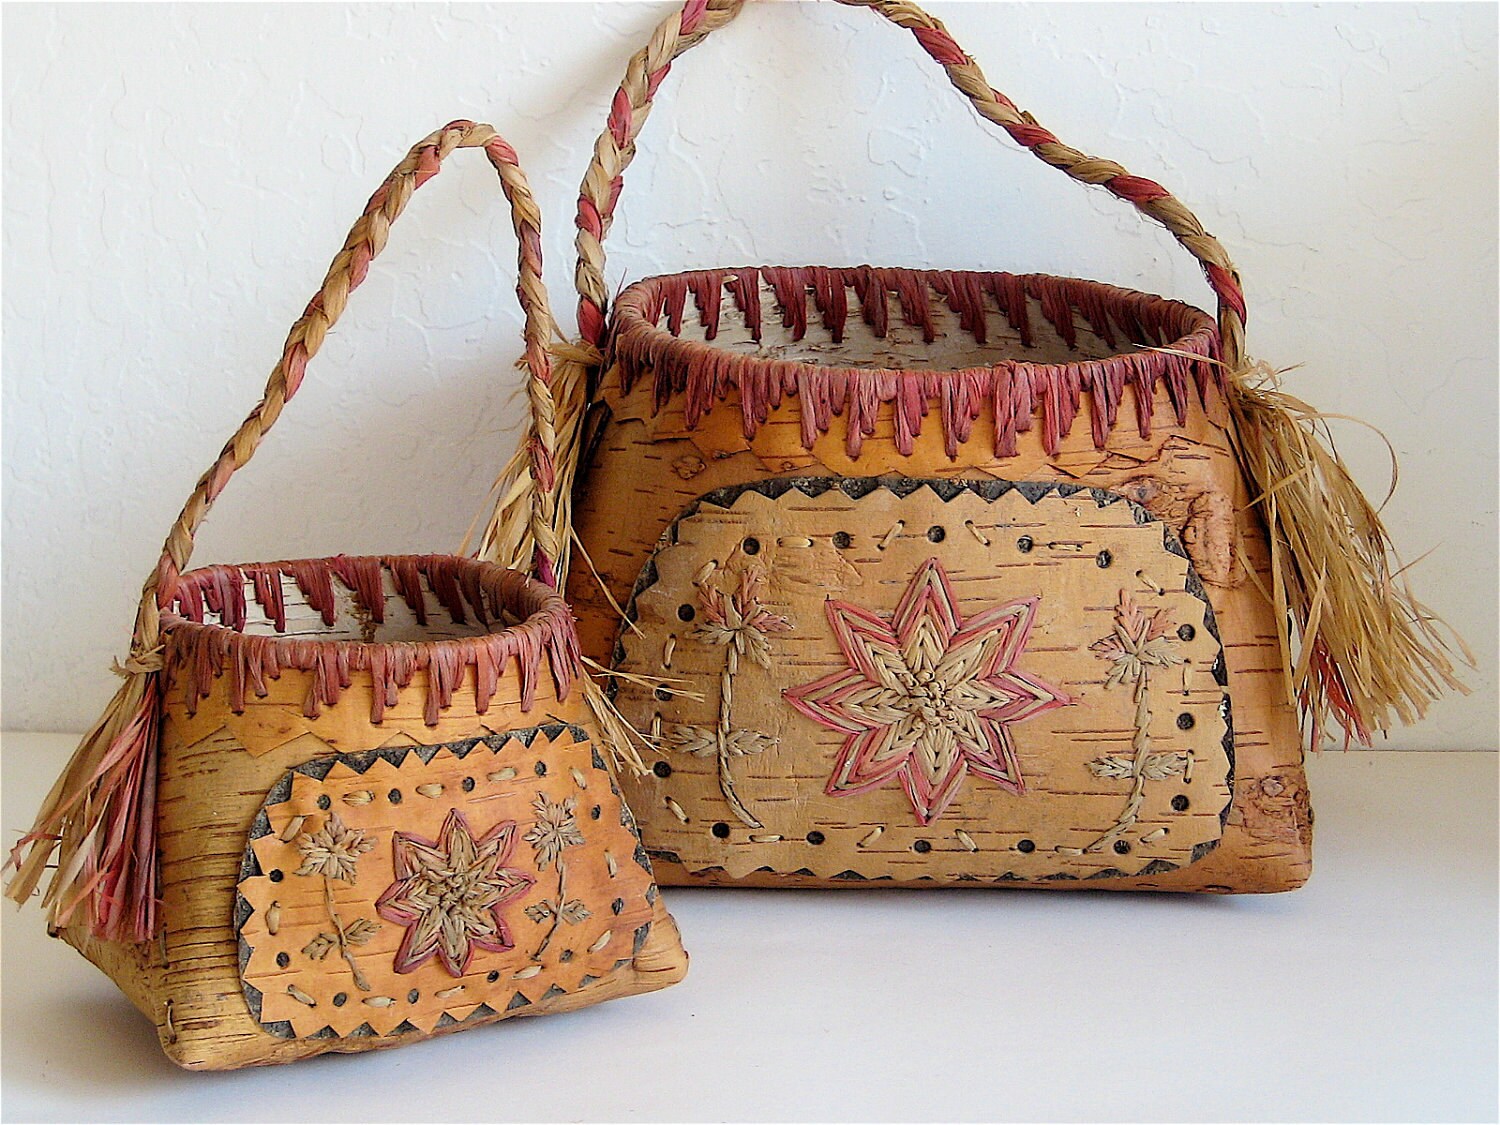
(1173, 345)
(468, 591)
(638, 331)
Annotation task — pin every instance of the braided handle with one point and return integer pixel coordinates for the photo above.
(684, 29)
(366, 240)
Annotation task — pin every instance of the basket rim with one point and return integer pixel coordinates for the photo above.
(201, 653)
(635, 332)
(541, 608)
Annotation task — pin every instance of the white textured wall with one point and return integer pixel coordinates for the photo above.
(177, 177)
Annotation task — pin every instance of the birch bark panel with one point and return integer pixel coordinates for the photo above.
(1064, 805)
(618, 896)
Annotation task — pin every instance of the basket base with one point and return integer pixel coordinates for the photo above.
(659, 963)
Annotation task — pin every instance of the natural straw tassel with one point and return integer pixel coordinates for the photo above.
(99, 819)
(1369, 653)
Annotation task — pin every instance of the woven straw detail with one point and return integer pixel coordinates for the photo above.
(1013, 390)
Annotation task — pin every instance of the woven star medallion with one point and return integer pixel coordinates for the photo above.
(448, 893)
(928, 696)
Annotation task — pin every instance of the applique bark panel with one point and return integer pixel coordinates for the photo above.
(926, 694)
(412, 887)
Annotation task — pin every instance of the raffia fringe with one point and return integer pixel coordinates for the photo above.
(99, 821)
(1369, 654)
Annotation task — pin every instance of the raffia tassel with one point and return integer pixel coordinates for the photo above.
(1369, 654)
(100, 820)
(618, 737)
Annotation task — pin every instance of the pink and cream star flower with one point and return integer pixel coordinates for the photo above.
(448, 893)
(928, 696)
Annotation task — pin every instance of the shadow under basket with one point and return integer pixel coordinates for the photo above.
(381, 816)
(1002, 572)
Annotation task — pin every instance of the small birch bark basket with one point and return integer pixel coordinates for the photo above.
(963, 577)
(343, 804)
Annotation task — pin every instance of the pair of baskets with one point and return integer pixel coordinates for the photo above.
(927, 578)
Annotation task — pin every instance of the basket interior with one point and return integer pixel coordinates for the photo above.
(892, 319)
(381, 600)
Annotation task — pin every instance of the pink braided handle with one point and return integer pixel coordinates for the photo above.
(615, 149)
(366, 240)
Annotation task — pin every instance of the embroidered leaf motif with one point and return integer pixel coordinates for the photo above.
(574, 912)
(318, 948)
(691, 740)
(539, 911)
(1156, 767)
(742, 742)
(361, 931)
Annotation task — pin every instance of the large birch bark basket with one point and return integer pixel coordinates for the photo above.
(947, 577)
(347, 803)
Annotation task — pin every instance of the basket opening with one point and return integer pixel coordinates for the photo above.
(411, 599)
(460, 621)
(895, 319)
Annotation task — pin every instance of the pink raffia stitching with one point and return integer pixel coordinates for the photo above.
(650, 315)
(201, 654)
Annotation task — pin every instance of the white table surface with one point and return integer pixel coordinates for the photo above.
(1368, 995)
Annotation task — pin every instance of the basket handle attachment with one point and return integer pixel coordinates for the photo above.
(684, 29)
(100, 815)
